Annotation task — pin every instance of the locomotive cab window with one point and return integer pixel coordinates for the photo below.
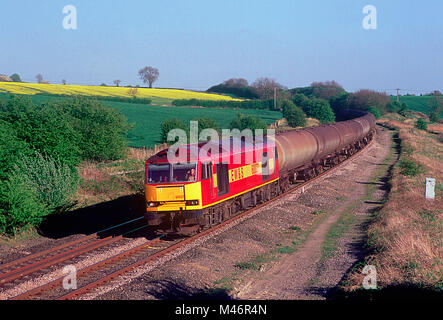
(206, 171)
(265, 166)
(158, 173)
(183, 172)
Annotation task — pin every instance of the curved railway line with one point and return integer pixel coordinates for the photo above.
(102, 272)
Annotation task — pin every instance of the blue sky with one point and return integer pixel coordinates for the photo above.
(196, 44)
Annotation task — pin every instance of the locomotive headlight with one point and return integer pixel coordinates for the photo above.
(152, 204)
(192, 202)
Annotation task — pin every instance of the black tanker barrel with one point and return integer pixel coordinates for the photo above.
(328, 139)
(295, 148)
(298, 147)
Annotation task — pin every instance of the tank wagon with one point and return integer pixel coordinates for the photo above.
(206, 190)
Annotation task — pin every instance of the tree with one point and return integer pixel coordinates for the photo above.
(326, 90)
(149, 75)
(39, 78)
(63, 81)
(247, 122)
(16, 78)
(339, 102)
(375, 112)
(117, 82)
(236, 82)
(237, 87)
(293, 114)
(436, 106)
(170, 124)
(207, 123)
(265, 87)
(298, 99)
(319, 109)
(363, 99)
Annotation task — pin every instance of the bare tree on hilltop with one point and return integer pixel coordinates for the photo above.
(149, 75)
(63, 81)
(39, 78)
(265, 87)
(117, 82)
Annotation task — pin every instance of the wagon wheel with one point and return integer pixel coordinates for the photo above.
(225, 213)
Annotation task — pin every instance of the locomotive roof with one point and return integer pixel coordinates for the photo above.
(232, 142)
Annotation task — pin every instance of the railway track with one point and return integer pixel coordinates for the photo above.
(104, 271)
(17, 270)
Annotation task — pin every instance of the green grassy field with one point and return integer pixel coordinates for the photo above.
(147, 118)
(417, 103)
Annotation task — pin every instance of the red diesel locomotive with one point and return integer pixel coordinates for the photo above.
(210, 188)
(205, 190)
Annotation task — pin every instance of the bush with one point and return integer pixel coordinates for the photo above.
(364, 98)
(319, 109)
(71, 130)
(44, 128)
(36, 186)
(240, 91)
(377, 114)
(410, 168)
(12, 148)
(247, 104)
(394, 106)
(101, 129)
(421, 124)
(248, 122)
(207, 123)
(295, 115)
(170, 124)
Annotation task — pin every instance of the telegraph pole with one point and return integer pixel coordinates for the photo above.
(275, 98)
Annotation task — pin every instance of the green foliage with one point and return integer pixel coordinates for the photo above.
(298, 99)
(16, 78)
(246, 92)
(207, 123)
(295, 115)
(339, 101)
(247, 104)
(132, 99)
(35, 187)
(374, 110)
(12, 148)
(436, 107)
(410, 168)
(248, 122)
(170, 124)
(102, 130)
(43, 128)
(363, 99)
(394, 106)
(71, 130)
(421, 124)
(319, 109)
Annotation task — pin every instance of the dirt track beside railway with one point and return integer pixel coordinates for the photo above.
(287, 251)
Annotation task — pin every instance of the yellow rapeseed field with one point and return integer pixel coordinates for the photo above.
(34, 88)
